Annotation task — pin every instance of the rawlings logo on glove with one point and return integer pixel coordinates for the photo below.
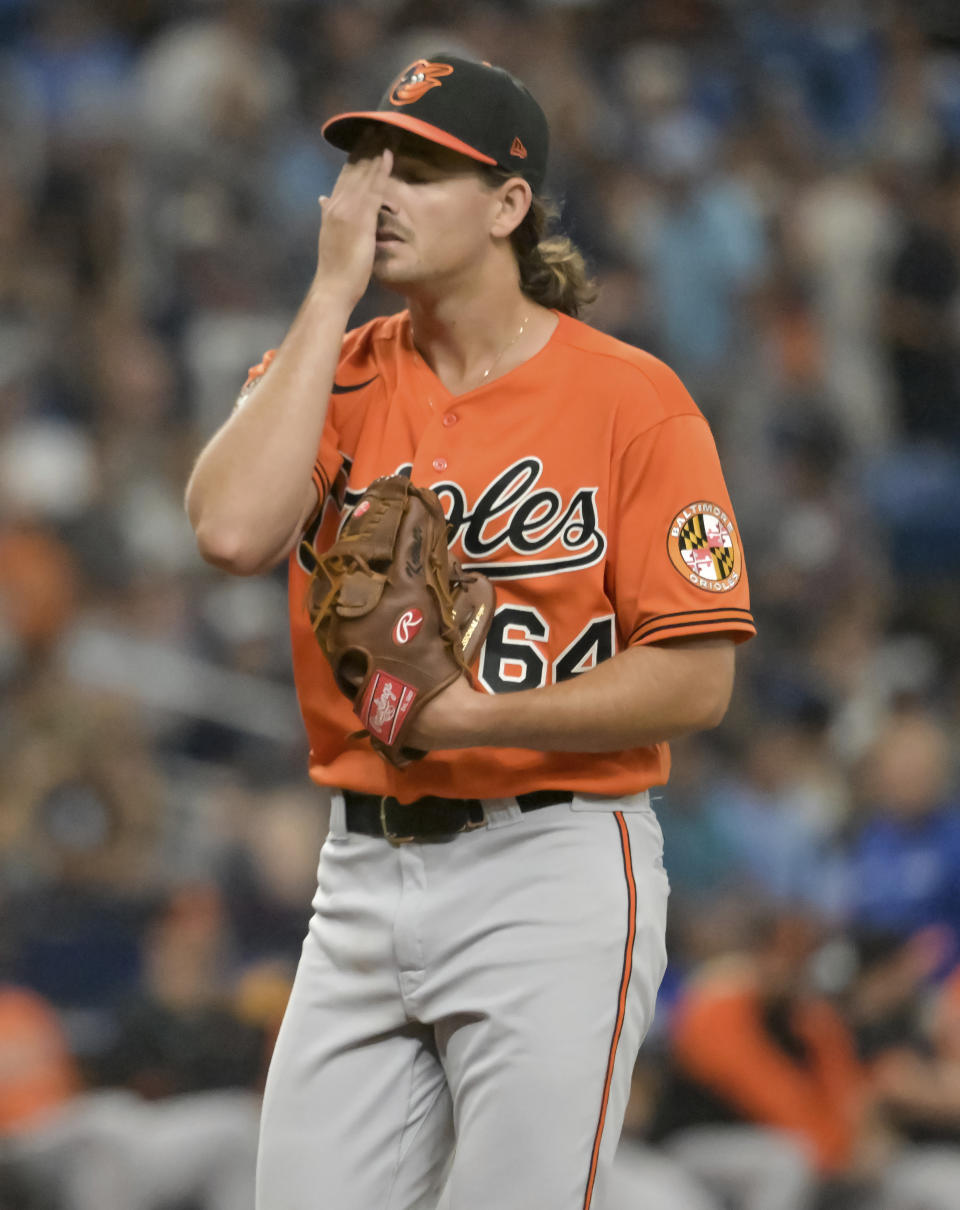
(396, 617)
(408, 623)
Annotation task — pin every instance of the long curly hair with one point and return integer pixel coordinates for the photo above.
(553, 271)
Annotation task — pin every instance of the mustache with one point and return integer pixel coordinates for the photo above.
(389, 228)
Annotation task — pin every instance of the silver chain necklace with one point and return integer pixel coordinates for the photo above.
(493, 364)
(496, 361)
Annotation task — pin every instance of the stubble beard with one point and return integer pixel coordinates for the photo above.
(392, 276)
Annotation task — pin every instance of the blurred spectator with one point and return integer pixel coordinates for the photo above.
(841, 234)
(704, 249)
(774, 817)
(38, 1074)
(268, 869)
(825, 63)
(922, 338)
(914, 1078)
(697, 843)
(909, 133)
(902, 864)
(79, 65)
(945, 1019)
(764, 1092)
(808, 504)
(62, 1146)
(38, 594)
(206, 84)
(79, 846)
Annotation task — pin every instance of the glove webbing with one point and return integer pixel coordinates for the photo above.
(337, 568)
(442, 590)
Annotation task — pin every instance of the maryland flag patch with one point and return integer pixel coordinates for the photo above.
(703, 547)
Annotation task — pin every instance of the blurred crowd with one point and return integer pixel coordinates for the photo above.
(768, 194)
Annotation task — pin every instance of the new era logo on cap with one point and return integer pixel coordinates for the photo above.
(473, 108)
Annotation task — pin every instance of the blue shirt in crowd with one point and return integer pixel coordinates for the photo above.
(904, 874)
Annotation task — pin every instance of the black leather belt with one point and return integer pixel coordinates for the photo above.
(429, 817)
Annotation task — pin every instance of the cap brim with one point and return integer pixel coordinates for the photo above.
(344, 129)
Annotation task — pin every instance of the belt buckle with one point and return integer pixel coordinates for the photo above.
(468, 825)
(393, 837)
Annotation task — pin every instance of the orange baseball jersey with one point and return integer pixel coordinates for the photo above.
(585, 483)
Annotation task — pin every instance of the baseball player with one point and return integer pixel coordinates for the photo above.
(488, 931)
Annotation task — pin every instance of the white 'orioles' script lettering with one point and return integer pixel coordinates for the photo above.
(513, 515)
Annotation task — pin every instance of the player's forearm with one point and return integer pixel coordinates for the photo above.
(247, 491)
(643, 696)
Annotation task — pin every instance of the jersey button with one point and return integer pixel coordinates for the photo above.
(439, 464)
(450, 419)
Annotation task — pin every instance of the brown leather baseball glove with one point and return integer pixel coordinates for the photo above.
(396, 617)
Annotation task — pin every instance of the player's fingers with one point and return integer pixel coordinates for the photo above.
(345, 177)
(383, 166)
(350, 178)
(369, 172)
(359, 178)
(382, 172)
(371, 187)
(374, 183)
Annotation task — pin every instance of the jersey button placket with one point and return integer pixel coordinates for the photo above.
(439, 464)
(449, 419)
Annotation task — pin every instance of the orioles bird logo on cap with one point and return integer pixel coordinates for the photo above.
(418, 79)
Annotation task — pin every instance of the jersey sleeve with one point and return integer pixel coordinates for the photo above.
(678, 559)
(328, 462)
(356, 370)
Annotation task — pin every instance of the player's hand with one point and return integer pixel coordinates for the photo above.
(452, 720)
(348, 227)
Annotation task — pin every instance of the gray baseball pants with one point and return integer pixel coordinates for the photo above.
(466, 1014)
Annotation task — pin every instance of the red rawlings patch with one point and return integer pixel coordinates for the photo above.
(386, 703)
(406, 626)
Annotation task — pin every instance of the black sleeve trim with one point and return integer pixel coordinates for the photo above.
(321, 480)
(741, 618)
(707, 615)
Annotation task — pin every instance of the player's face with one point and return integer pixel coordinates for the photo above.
(437, 212)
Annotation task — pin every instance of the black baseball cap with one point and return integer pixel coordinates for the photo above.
(474, 108)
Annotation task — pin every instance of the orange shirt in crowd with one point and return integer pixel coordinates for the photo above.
(585, 483)
(720, 1041)
(37, 1072)
(946, 1018)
